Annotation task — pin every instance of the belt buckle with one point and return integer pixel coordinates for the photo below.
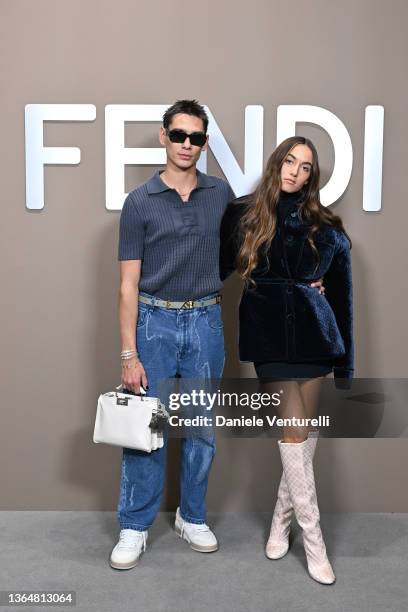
(218, 299)
(188, 304)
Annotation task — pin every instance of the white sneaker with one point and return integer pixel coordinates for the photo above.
(200, 537)
(129, 549)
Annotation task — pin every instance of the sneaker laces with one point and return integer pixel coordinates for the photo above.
(128, 538)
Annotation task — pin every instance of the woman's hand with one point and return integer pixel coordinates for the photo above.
(319, 285)
(134, 375)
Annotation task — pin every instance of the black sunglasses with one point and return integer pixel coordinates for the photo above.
(197, 139)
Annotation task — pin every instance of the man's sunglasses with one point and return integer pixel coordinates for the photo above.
(197, 139)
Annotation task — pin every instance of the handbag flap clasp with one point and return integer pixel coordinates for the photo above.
(122, 401)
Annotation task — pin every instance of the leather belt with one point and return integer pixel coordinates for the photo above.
(187, 305)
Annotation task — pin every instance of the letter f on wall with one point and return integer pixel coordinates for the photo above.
(37, 155)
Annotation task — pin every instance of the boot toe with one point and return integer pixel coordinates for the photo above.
(276, 550)
(323, 574)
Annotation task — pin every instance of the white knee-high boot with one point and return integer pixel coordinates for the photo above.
(298, 468)
(278, 542)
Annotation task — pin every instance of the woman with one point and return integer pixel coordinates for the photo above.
(280, 239)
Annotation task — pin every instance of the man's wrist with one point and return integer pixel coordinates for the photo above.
(129, 354)
(130, 358)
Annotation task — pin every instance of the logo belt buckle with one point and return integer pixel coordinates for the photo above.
(188, 304)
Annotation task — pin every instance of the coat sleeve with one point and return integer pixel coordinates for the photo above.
(339, 293)
(229, 239)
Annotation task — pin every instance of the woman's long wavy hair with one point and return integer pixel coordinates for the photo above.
(258, 224)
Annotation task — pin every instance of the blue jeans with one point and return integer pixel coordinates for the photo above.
(188, 343)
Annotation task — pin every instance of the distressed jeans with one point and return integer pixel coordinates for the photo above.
(172, 342)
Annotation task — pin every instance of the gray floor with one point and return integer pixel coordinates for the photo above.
(69, 550)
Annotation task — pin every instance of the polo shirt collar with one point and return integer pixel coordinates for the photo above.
(156, 185)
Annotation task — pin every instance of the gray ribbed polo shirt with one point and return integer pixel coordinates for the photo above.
(178, 242)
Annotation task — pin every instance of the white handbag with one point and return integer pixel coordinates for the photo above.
(130, 421)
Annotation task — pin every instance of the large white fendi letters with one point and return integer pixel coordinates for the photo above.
(242, 180)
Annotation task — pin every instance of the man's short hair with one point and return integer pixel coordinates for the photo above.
(187, 107)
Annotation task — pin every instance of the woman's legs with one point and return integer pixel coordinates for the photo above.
(297, 461)
(300, 401)
(297, 404)
(297, 490)
(297, 450)
(310, 392)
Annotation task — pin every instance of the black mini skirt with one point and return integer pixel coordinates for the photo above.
(281, 370)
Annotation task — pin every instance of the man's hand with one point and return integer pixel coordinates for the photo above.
(319, 285)
(134, 377)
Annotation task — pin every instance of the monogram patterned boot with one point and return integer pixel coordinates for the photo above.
(278, 543)
(298, 468)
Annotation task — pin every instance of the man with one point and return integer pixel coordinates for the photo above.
(170, 321)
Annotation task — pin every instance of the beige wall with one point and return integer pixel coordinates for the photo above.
(60, 342)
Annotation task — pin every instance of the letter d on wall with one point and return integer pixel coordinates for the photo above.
(287, 118)
(37, 155)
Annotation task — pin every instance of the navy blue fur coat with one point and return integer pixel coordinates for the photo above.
(282, 318)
